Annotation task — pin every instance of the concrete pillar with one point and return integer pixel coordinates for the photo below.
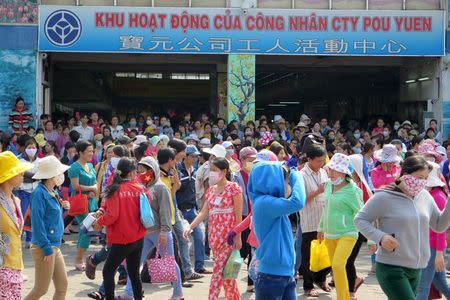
(241, 88)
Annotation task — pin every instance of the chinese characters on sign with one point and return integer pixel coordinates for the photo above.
(228, 45)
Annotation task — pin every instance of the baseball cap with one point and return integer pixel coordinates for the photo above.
(227, 144)
(192, 150)
(217, 151)
(247, 152)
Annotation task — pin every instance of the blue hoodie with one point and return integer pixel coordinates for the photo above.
(270, 216)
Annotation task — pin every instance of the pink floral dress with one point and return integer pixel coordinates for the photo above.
(221, 222)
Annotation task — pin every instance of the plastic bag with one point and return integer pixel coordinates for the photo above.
(234, 263)
(253, 268)
(147, 218)
(319, 256)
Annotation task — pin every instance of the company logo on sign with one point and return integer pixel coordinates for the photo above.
(62, 28)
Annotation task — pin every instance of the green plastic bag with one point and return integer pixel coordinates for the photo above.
(234, 263)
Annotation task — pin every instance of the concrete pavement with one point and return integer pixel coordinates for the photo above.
(80, 285)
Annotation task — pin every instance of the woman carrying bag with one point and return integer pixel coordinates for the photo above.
(48, 229)
(121, 215)
(83, 178)
(11, 223)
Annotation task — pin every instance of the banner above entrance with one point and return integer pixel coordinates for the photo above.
(115, 29)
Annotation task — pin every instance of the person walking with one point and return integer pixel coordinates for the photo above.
(11, 224)
(387, 169)
(159, 235)
(434, 273)
(275, 192)
(121, 213)
(31, 155)
(48, 229)
(223, 206)
(83, 178)
(406, 212)
(315, 178)
(343, 199)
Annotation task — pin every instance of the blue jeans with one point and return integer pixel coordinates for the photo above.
(183, 246)
(273, 287)
(150, 242)
(429, 275)
(298, 248)
(24, 204)
(197, 234)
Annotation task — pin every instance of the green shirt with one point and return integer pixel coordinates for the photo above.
(340, 210)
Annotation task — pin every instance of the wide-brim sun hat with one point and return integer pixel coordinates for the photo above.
(49, 167)
(356, 161)
(428, 147)
(192, 137)
(140, 139)
(11, 166)
(434, 178)
(388, 154)
(265, 155)
(340, 163)
(217, 151)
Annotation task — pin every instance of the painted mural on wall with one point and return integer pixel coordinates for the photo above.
(241, 88)
(19, 11)
(17, 78)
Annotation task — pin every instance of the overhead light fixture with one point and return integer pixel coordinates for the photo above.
(410, 81)
(423, 79)
(276, 105)
(289, 102)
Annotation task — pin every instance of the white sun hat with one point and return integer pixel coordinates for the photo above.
(49, 167)
(434, 178)
(340, 163)
(387, 155)
(357, 163)
(217, 151)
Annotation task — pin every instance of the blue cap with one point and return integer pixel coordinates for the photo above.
(192, 150)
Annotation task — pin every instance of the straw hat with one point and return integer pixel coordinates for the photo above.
(434, 178)
(357, 163)
(49, 167)
(387, 155)
(11, 166)
(340, 163)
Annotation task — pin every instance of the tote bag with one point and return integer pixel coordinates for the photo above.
(319, 256)
(147, 218)
(162, 269)
(78, 204)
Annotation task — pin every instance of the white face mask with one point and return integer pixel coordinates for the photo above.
(31, 152)
(114, 162)
(149, 122)
(59, 180)
(214, 177)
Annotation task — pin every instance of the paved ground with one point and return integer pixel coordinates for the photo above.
(79, 285)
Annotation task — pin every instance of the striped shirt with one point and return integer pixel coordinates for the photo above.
(312, 212)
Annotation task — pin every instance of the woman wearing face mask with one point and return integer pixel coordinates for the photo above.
(406, 212)
(48, 229)
(223, 206)
(30, 154)
(434, 273)
(118, 152)
(343, 199)
(82, 177)
(386, 170)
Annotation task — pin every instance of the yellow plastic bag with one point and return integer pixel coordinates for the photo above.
(319, 258)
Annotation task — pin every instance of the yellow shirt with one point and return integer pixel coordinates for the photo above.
(166, 180)
(13, 259)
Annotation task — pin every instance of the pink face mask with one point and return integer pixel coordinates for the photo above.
(413, 184)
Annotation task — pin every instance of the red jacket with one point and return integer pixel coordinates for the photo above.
(122, 214)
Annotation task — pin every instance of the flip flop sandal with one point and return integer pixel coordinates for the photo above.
(90, 268)
(80, 267)
(96, 295)
(358, 283)
(312, 293)
(323, 286)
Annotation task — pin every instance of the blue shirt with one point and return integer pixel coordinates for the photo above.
(46, 219)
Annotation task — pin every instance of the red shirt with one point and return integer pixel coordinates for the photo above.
(122, 214)
(96, 127)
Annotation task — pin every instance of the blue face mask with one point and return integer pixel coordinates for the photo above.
(357, 150)
(338, 181)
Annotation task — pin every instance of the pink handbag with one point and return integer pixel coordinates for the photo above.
(162, 269)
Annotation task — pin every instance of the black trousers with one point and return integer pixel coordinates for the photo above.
(309, 277)
(117, 253)
(176, 251)
(246, 251)
(350, 267)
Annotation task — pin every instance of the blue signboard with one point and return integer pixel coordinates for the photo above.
(223, 31)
